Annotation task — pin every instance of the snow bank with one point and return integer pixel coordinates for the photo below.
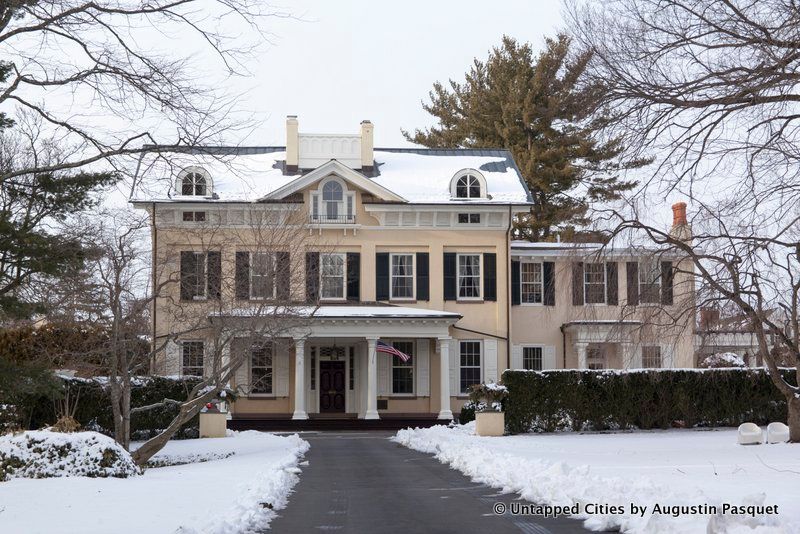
(669, 468)
(723, 359)
(46, 454)
(240, 493)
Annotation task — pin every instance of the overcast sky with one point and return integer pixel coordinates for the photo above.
(349, 60)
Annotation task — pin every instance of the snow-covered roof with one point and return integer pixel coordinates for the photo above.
(345, 312)
(249, 174)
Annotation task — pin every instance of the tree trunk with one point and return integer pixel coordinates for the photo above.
(794, 419)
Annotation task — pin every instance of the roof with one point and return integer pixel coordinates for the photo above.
(249, 174)
(348, 312)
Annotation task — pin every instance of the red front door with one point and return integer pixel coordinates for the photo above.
(331, 387)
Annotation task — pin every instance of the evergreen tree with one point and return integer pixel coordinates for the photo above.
(541, 109)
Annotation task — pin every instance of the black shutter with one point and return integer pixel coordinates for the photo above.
(516, 291)
(382, 276)
(490, 276)
(214, 267)
(423, 276)
(549, 274)
(353, 276)
(577, 283)
(450, 283)
(282, 277)
(188, 274)
(242, 282)
(666, 283)
(312, 276)
(632, 280)
(612, 283)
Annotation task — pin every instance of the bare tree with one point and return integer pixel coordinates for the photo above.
(711, 88)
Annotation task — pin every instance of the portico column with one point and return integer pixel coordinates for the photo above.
(444, 378)
(580, 348)
(372, 380)
(300, 379)
(224, 364)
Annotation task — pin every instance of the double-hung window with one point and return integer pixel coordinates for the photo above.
(333, 274)
(403, 372)
(531, 285)
(594, 283)
(596, 358)
(469, 276)
(262, 275)
(651, 357)
(195, 279)
(192, 358)
(532, 358)
(650, 281)
(402, 269)
(469, 365)
(261, 369)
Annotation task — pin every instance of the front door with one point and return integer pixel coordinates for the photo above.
(331, 387)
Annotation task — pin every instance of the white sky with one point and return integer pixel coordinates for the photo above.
(349, 60)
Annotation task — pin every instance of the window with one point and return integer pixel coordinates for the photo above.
(468, 186)
(352, 373)
(470, 364)
(469, 218)
(261, 369)
(531, 286)
(469, 276)
(195, 279)
(192, 364)
(332, 275)
(194, 184)
(194, 216)
(596, 358)
(402, 268)
(332, 203)
(651, 357)
(650, 281)
(594, 278)
(313, 368)
(403, 372)
(262, 275)
(532, 358)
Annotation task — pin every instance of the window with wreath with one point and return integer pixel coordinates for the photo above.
(594, 277)
(650, 281)
(261, 369)
(468, 186)
(403, 372)
(531, 283)
(333, 276)
(192, 358)
(469, 276)
(402, 269)
(469, 364)
(194, 183)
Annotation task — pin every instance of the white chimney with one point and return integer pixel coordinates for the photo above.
(367, 156)
(292, 143)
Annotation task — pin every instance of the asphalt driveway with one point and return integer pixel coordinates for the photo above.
(361, 482)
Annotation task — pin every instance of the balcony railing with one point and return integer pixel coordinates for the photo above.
(332, 219)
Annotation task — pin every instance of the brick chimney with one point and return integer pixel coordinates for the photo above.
(680, 226)
(292, 144)
(367, 145)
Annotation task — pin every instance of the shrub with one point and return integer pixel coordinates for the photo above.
(45, 454)
(548, 401)
(467, 413)
(488, 397)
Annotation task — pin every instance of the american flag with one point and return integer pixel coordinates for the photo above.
(388, 349)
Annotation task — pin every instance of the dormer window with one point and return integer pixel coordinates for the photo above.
(194, 182)
(333, 203)
(468, 184)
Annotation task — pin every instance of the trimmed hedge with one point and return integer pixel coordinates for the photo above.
(94, 407)
(548, 401)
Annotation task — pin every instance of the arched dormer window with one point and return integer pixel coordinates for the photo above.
(332, 203)
(468, 184)
(194, 182)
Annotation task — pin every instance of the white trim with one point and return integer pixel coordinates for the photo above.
(334, 167)
(480, 276)
(480, 365)
(273, 259)
(541, 282)
(468, 172)
(605, 284)
(342, 255)
(413, 296)
(273, 382)
(196, 170)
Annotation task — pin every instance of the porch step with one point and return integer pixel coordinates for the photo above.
(273, 424)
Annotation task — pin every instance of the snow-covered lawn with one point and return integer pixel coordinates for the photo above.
(674, 467)
(234, 494)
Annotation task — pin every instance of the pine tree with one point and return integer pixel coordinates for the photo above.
(541, 110)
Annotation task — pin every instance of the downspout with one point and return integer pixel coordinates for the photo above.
(153, 267)
(563, 346)
(508, 291)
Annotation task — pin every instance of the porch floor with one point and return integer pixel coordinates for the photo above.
(284, 422)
